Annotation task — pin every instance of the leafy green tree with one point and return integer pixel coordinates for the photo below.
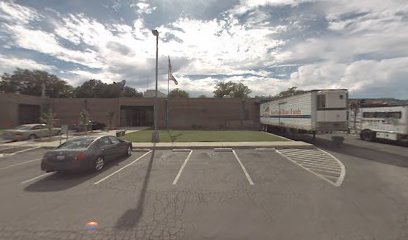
(290, 92)
(235, 90)
(130, 92)
(30, 82)
(49, 117)
(84, 118)
(97, 89)
(90, 89)
(240, 91)
(177, 93)
(223, 89)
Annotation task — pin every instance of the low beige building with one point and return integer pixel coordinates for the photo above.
(186, 113)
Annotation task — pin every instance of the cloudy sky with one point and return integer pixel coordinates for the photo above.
(269, 45)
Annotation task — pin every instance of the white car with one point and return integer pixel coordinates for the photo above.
(29, 131)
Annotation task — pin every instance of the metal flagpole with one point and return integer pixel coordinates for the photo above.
(168, 96)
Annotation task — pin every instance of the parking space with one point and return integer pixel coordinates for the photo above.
(195, 194)
(6, 151)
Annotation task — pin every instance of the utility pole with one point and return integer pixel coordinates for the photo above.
(155, 134)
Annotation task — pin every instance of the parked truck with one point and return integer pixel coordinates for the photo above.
(312, 112)
(390, 122)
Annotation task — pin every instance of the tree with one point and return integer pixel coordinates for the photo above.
(84, 118)
(223, 89)
(263, 97)
(290, 92)
(29, 82)
(177, 93)
(202, 96)
(235, 90)
(130, 92)
(240, 91)
(90, 89)
(355, 108)
(97, 89)
(49, 118)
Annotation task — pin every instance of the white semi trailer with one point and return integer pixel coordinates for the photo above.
(313, 112)
(389, 123)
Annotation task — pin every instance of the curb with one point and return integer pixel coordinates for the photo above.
(238, 145)
(208, 145)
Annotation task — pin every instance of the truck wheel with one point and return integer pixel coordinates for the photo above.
(367, 135)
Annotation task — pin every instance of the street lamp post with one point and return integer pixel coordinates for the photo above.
(155, 134)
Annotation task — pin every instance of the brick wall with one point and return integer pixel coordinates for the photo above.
(212, 113)
(9, 107)
(199, 113)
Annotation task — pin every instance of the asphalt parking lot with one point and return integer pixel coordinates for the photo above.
(323, 193)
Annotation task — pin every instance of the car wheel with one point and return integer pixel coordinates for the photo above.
(32, 137)
(367, 135)
(129, 151)
(99, 164)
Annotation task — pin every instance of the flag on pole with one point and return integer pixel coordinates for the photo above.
(170, 75)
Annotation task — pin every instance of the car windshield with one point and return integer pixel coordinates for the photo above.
(23, 127)
(76, 143)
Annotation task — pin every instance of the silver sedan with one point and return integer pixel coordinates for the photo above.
(29, 131)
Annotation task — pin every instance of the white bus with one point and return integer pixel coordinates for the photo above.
(383, 123)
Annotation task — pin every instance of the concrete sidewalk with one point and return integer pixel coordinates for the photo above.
(55, 141)
(189, 145)
(166, 145)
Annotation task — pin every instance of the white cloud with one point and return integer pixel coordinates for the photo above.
(213, 49)
(144, 8)
(45, 42)
(247, 5)
(9, 64)
(362, 78)
(12, 12)
(363, 47)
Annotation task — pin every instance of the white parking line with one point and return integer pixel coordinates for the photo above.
(5, 149)
(243, 168)
(18, 164)
(320, 163)
(35, 178)
(120, 169)
(25, 150)
(181, 168)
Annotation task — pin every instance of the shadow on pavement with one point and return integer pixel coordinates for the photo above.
(65, 180)
(357, 151)
(131, 217)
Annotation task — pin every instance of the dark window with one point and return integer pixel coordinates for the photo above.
(321, 101)
(76, 143)
(103, 142)
(395, 115)
(114, 140)
(341, 96)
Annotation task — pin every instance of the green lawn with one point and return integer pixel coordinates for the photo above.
(202, 136)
